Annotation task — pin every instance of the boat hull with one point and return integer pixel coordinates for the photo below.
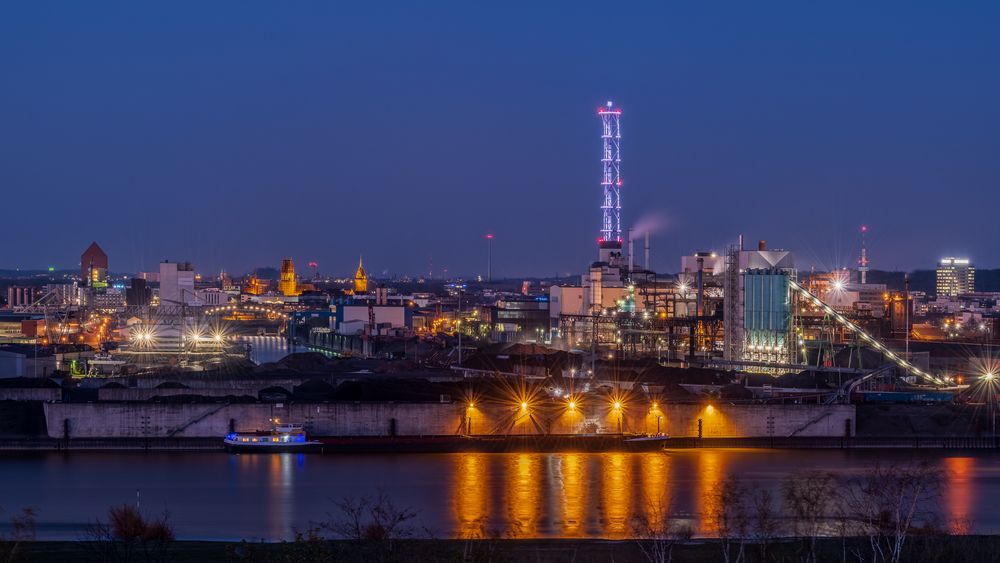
(281, 448)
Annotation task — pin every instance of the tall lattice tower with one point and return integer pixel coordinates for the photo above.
(611, 181)
(863, 260)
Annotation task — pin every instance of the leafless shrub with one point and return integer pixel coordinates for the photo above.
(375, 521)
(22, 530)
(480, 545)
(128, 536)
(657, 538)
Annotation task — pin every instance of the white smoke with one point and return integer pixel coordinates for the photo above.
(650, 222)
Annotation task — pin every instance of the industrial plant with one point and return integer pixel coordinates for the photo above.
(739, 342)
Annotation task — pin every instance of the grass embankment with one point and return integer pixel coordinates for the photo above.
(919, 549)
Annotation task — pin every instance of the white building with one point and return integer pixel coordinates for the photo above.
(177, 284)
(212, 297)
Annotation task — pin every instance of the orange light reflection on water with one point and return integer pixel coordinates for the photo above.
(573, 498)
(616, 497)
(959, 493)
(656, 495)
(710, 473)
(524, 482)
(471, 495)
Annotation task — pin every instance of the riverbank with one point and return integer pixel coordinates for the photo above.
(504, 444)
(919, 549)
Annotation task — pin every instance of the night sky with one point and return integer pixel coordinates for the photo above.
(232, 134)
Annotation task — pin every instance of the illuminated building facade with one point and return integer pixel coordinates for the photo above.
(253, 286)
(360, 279)
(94, 267)
(286, 283)
(955, 276)
(767, 316)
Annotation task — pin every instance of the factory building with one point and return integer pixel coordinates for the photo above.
(758, 305)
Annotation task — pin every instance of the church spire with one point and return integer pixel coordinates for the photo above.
(360, 279)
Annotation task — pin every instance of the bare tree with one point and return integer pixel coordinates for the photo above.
(890, 503)
(810, 499)
(732, 519)
(657, 533)
(764, 521)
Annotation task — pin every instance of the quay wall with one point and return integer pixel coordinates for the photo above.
(138, 420)
(31, 394)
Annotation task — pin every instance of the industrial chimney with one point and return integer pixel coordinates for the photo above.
(762, 245)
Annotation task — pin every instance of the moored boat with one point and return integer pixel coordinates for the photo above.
(282, 438)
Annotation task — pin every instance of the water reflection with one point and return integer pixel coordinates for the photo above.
(253, 497)
(282, 492)
(709, 480)
(959, 493)
(616, 493)
(471, 495)
(655, 497)
(572, 493)
(524, 483)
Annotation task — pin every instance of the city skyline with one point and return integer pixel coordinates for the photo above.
(253, 139)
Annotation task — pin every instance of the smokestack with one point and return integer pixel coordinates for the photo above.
(648, 268)
(631, 251)
(762, 245)
(701, 286)
(741, 242)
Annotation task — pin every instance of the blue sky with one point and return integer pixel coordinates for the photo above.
(232, 134)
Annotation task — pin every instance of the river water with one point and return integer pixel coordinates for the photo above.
(269, 496)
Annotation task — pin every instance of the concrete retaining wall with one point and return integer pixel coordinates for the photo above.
(135, 420)
(31, 394)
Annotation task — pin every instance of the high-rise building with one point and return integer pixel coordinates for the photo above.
(94, 267)
(286, 282)
(955, 276)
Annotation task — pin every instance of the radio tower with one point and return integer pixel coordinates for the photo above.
(863, 261)
(611, 182)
